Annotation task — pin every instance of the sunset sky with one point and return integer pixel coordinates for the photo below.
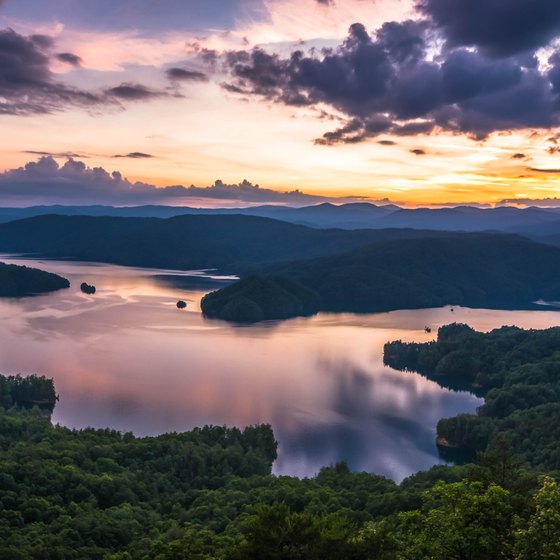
(414, 101)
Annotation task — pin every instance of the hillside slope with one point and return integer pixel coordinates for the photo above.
(232, 244)
(476, 270)
(19, 281)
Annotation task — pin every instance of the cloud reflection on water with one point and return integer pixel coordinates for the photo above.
(128, 359)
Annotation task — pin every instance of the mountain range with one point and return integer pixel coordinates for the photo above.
(358, 215)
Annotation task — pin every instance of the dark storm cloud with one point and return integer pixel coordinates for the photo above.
(135, 155)
(27, 86)
(388, 83)
(499, 27)
(42, 41)
(185, 75)
(26, 83)
(46, 182)
(69, 58)
(404, 41)
(354, 77)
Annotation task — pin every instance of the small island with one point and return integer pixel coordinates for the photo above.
(21, 281)
(87, 288)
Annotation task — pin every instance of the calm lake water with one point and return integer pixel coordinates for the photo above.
(128, 359)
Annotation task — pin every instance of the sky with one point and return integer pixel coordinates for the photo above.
(239, 102)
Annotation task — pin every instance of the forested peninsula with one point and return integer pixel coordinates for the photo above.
(20, 281)
(518, 373)
(209, 494)
(476, 270)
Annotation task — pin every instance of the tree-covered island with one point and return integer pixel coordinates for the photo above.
(21, 281)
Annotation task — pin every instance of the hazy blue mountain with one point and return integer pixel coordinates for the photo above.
(10, 214)
(469, 218)
(358, 215)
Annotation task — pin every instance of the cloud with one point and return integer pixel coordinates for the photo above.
(387, 142)
(418, 152)
(46, 182)
(134, 92)
(55, 154)
(70, 58)
(135, 155)
(26, 83)
(541, 202)
(185, 75)
(539, 170)
(499, 27)
(325, 2)
(395, 83)
(518, 156)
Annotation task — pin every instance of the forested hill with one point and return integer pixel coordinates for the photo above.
(19, 281)
(518, 372)
(232, 244)
(476, 270)
(208, 494)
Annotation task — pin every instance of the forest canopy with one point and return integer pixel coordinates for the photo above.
(474, 270)
(209, 494)
(518, 373)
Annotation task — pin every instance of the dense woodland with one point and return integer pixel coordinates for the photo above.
(518, 373)
(20, 281)
(476, 270)
(209, 494)
(261, 297)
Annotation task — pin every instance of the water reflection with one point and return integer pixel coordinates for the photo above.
(128, 359)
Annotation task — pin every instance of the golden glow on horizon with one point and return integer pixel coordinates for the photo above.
(209, 134)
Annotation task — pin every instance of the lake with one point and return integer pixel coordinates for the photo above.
(128, 359)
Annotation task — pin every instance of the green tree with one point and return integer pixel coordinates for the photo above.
(540, 540)
(460, 521)
(276, 533)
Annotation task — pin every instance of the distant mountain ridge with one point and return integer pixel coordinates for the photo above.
(356, 215)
